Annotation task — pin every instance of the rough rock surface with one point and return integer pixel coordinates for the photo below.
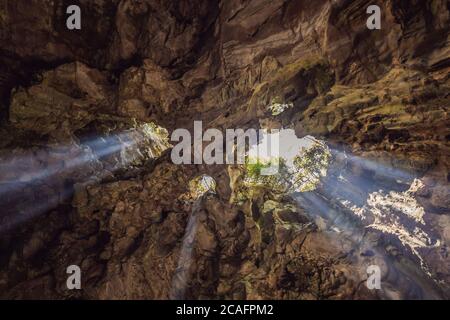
(72, 192)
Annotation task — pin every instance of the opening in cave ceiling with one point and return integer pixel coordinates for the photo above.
(359, 182)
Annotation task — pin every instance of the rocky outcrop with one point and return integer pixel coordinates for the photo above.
(85, 178)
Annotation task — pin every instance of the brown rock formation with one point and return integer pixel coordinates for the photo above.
(85, 177)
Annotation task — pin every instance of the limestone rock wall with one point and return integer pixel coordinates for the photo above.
(124, 217)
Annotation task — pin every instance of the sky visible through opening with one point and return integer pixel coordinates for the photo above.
(285, 141)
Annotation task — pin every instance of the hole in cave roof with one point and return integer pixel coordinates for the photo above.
(299, 163)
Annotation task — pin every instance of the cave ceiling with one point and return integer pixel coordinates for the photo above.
(87, 176)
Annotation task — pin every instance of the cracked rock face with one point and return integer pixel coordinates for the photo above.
(86, 176)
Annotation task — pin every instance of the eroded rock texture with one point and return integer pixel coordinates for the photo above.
(86, 178)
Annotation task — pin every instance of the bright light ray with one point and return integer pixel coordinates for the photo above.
(181, 277)
(60, 162)
(198, 186)
(99, 147)
(353, 203)
(380, 169)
